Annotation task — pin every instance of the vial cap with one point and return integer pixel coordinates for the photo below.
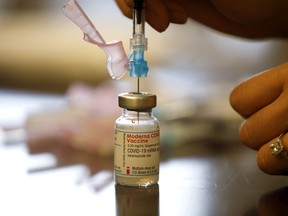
(137, 101)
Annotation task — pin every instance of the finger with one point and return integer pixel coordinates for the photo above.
(157, 14)
(270, 164)
(125, 7)
(258, 91)
(177, 13)
(160, 13)
(266, 123)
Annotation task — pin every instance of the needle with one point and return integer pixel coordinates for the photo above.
(138, 84)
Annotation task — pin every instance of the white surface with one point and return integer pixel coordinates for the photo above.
(60, 191)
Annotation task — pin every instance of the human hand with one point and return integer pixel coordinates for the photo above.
(251, 19)
(263, 101)
(159, 13)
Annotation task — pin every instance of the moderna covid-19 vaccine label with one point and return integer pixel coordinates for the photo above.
(136, 153)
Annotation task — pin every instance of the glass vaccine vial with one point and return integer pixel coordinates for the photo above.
(137, 141)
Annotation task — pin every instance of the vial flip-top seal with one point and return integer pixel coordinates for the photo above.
(137, 101)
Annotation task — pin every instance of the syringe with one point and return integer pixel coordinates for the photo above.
(138, 43)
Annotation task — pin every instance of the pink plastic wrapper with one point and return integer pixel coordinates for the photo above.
(117, 60)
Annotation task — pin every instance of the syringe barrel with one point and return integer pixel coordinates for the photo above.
(138, 17)
(138, 37)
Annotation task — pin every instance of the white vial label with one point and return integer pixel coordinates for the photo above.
(136, 153)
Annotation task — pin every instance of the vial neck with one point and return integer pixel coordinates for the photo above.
(144, 113)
